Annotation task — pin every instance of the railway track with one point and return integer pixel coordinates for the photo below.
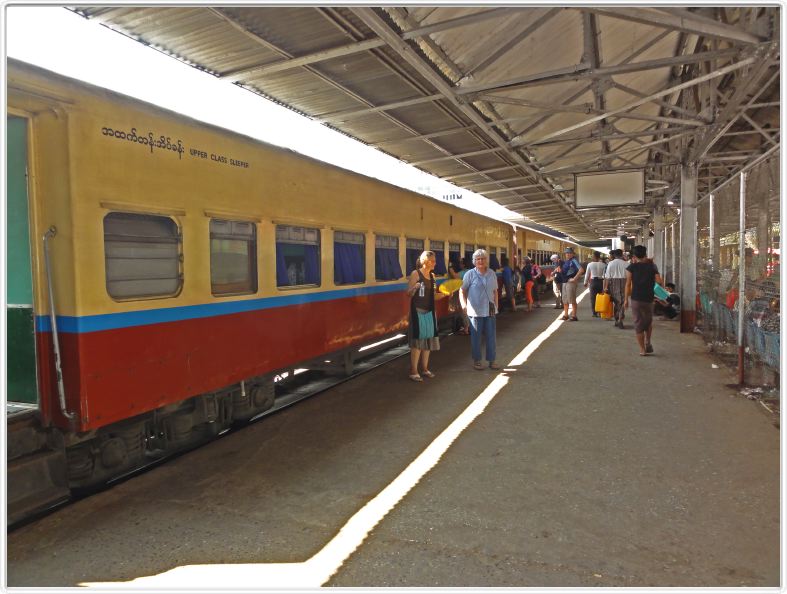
(290, 388)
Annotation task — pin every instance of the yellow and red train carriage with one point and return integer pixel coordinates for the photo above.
(187, 265)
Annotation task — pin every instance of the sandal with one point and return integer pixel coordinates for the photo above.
(416, 378)
(574, 318)
(477, 365)
(563, 317)
(427, 373)
(649, 348)
(494, 365)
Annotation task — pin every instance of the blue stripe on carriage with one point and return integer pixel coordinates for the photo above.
(114, 321)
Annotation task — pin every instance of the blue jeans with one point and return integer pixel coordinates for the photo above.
(486, 326)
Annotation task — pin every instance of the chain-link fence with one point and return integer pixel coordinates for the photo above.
(720, 266)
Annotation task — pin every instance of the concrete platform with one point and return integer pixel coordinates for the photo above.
(591, 466)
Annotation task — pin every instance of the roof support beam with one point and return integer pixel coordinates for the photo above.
(395, 42)
(457, 156)
(637, 103)
(591, 138)
(480, 172)
(665, 104)
(591, 54)
(347, 115)
(585, 108)
(357, 47)
(321, 56)
(726, 118)
(573, 95)
(221, 14)
(485, 192)
(617, 152)
(585, 70)
(682, 21)
(499, 181)
(463, 21)
(757, 127)
(511, 43)
(424, 136)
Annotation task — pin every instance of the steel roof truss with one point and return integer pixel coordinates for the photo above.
(424, 136)
(341, 116)
(511, 43)
(585, 70)
(757, 127)
(637, 103)
(480, 172)
(321, 56)
(381, 28)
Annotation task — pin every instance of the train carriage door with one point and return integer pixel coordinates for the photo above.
(20, 345)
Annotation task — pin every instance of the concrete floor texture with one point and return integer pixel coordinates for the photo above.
(592, 466)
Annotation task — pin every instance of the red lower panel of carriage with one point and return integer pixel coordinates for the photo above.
(115, 374)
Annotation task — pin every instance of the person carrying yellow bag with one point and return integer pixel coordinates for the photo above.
(603, 305)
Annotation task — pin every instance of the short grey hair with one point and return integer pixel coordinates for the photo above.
(425, 256)
(479, 254)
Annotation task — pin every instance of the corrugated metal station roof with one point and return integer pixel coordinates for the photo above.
(508, 102)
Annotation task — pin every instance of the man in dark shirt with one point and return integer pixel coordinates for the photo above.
(641, 275)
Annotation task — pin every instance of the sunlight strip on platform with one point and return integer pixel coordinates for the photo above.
(318, 570)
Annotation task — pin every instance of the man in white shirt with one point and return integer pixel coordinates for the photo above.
(615, 284)
(594, 278)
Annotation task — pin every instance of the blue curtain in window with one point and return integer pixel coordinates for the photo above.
(358, 263)
(282, 280)
(381, 266)
(411, 258)
(312, 262)
(454, 258)
(439, 267)
(493, 263)
(387, 264)
(396, 268)
(348, 263)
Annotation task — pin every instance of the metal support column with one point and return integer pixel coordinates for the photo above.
(715, 240)
(673, 265)
(742, 279)
(658, 239)
(763, 227)
(688, 247)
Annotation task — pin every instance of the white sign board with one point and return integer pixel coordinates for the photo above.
(609, 188)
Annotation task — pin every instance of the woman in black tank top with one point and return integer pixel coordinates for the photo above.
(422, 332)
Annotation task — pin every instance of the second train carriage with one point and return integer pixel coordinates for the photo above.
(186, 265)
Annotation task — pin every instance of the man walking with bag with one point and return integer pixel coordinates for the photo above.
(615, 284)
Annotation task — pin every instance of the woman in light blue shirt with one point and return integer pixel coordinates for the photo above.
(478, 297)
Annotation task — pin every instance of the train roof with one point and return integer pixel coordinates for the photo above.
(20, 65)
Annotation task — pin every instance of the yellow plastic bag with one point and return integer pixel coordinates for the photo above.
(610, 311)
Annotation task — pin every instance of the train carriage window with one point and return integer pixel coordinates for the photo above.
(415, 248)
(438, 247)
(455, 254)
(297, 256)
(349, 258)
(386, 258)
(233, 257)
(142, 256)
(494, 264)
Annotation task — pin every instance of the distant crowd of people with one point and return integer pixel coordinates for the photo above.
(629, 280)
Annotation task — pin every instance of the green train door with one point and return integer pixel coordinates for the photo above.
(20, 351)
